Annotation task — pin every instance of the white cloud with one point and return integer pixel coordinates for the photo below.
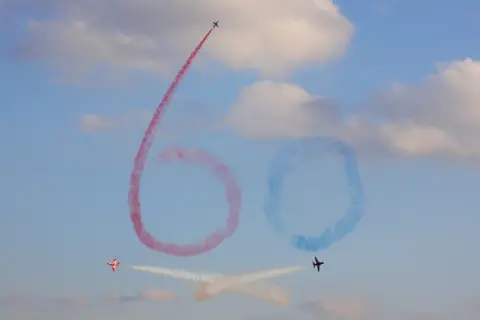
(271, 36)
(93, 123)
(439, 116)
(187, 117)
(268, 109)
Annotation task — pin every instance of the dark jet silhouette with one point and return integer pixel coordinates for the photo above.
(317, 264)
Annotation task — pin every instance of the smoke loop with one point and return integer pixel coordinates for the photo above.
(285, 161)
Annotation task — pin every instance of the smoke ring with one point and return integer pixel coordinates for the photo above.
(234, 199)
(285, 161)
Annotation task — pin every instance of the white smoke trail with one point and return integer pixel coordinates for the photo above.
(225, 282)
(261, 291)
(237, 284)
(179, 274)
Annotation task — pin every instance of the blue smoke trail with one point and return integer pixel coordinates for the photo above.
(285, 161)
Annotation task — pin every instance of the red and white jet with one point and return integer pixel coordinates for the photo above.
(114, 264)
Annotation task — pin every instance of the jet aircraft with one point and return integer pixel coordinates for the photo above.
(114, 264)
(317, 264)
(215, 24)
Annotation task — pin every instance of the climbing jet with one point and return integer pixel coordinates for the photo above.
(114, 264)
(317, 264)
(215, 24)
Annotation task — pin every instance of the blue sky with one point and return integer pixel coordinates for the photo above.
(65, 180)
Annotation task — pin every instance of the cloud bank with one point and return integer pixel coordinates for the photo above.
(439, 116)
(149, 35)
(92, 122)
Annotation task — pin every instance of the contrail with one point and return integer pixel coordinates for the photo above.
(179, 273)
(237, 284)
(223, 283)
(258, 290)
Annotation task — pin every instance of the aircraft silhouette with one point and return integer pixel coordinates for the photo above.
(317, 264)
(215, 24)
(114, 264)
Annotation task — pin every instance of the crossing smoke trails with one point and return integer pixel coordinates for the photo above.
(233, 192)
(178, 273)
(285, 161)
(262, 291)
(226, 282)
(214, 284)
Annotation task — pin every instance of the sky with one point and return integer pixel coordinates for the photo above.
(398, 80)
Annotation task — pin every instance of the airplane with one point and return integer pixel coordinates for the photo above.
(114, 264)
(317, 264)
(215, 24)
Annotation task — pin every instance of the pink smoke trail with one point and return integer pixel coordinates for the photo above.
(222, 172)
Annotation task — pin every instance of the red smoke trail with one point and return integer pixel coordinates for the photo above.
(233, 192)
(152, 128)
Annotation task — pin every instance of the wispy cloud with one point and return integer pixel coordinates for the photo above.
(185, 117)
(151, 35)
(84, 300)
(144, 295)
(350, 308)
